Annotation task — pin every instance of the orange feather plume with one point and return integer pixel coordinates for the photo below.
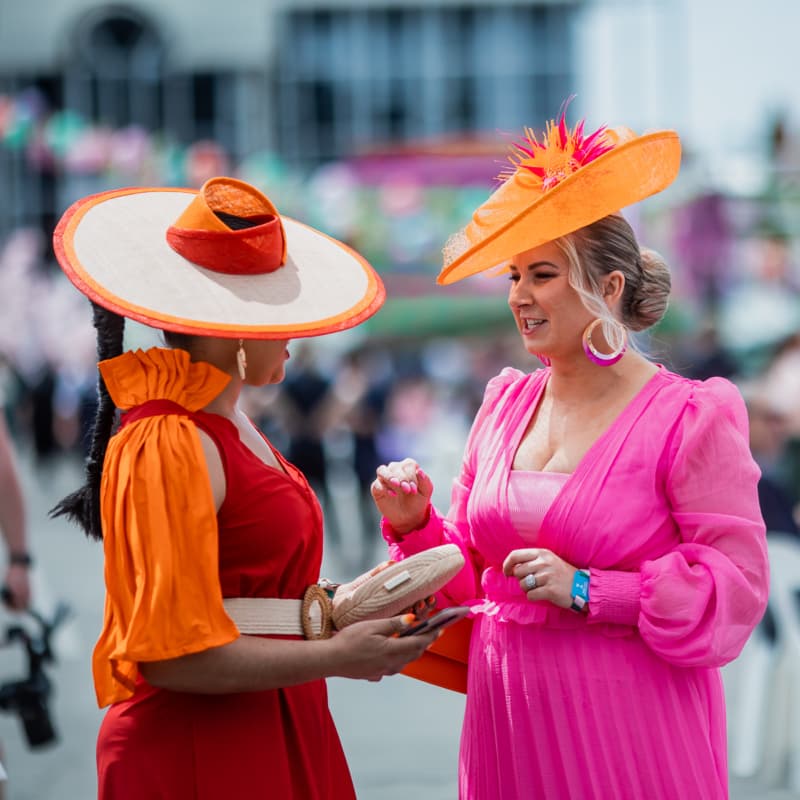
(560, 152)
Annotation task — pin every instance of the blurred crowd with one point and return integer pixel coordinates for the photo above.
(748, 330)
(353, 403)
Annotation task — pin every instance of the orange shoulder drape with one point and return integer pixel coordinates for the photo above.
(163, 596)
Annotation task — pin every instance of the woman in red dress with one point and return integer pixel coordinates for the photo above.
(197, 511)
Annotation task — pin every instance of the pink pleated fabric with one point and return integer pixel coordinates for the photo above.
(625, 703)
(530, 495)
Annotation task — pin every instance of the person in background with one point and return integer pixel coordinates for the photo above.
(607, 506)
(362, 382)
(769, 445)
(16, 584)
(212, 658)
(304, 402)
(16, 587)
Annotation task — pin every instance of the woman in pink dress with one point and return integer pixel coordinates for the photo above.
(608, 507)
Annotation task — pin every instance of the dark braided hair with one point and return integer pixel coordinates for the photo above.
(83, 506)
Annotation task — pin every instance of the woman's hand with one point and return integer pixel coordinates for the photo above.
(373, 649)
(402, 492)
(553, 575)
(367, 650)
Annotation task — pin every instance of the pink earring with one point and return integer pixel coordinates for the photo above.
(594, 355)
(241, 360)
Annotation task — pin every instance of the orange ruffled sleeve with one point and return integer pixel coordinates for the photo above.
(163, 596)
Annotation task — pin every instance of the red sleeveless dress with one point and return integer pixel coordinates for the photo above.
(273, 744)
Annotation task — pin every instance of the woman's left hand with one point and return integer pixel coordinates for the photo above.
(553, 576)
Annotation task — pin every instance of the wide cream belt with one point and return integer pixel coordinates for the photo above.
(382, 592)
(311, 617)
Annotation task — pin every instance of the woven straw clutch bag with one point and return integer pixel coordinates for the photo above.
(390, 588)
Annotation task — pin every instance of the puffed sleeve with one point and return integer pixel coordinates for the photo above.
(698, 603)
(454, 528)
(163, 596)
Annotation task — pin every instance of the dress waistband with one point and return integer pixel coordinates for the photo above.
(309, 617)
(505, 601)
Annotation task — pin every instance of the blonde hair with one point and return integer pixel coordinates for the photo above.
(603, 247)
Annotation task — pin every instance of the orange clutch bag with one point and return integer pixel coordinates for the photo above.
(444, 663)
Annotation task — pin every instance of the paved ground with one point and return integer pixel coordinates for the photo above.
(401, 736)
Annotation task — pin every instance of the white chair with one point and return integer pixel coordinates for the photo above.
(748, 681)
(781, 742)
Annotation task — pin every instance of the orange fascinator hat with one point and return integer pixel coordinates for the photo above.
(558, 184)
(220, 261)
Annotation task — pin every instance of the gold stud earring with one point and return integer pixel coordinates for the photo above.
(241, 360)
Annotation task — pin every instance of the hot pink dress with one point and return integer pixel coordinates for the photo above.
(626, 702)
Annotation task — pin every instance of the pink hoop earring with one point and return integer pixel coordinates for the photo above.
(594, 355)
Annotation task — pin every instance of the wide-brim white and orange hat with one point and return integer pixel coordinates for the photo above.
(557, 185)
(176, 259)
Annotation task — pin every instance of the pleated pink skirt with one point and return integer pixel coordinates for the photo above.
(577, 714)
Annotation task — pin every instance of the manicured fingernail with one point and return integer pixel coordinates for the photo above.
(414, 489)
(421, 473)
(408, 618)
(394, 481)
(405, 486)
(391, 493)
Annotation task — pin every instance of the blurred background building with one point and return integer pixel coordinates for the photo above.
(119, 91)
(385, 124)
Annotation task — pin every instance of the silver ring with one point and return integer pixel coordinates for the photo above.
(530, 581)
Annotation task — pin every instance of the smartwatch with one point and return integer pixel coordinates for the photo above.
(580, 590)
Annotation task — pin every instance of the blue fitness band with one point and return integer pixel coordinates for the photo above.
(580, 590)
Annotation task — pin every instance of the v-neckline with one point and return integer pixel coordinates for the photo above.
(525, 421)
(283, 464)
